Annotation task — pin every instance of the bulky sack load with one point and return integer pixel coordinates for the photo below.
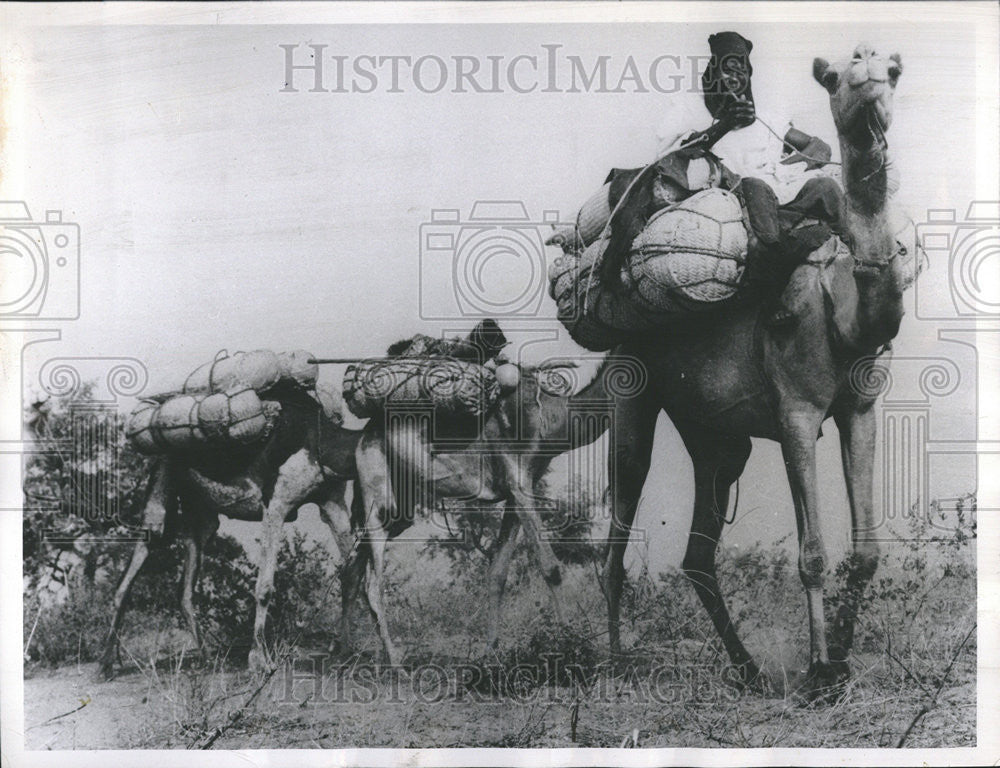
(454, 387)
(591, 220)
(593, 215)
(295, 366)
(259, 370)
(185, 422)
(689, 257)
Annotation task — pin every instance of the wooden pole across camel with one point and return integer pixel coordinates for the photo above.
(341, 360)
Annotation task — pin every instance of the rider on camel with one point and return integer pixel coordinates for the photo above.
(722, 155)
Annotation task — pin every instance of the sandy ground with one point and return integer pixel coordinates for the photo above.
(67, 709)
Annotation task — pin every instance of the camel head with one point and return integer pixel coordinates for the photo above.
(861, 99)
(861, 92)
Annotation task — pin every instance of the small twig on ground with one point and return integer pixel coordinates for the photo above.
(236, 716)
(913, 677)
(928, 706)
(83, 703)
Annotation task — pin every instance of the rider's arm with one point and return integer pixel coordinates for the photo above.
(685, 113)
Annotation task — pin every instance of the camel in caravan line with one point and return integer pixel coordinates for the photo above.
(310, 458)
(400, 461)
(722, 382)
(728, 378)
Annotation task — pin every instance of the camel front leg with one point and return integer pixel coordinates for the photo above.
(798, 446)
(629, 454)
(527, 511)
(374, 589)
(298, 477)
(496, 578)
(379, 505)
(352, 574)
(856, 423)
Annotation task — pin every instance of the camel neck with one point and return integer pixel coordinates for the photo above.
(865, 176)
(576, 420)
(596, 388)
(879, 294)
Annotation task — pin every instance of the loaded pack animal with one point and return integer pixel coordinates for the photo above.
(310, 458)
(307, 457)
(401, 461)
(729, 377)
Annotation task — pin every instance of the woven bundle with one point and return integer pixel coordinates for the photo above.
(689, 258)
(593, 215)
(186, 422)
(696, 249)
(260, 370)
(454, 387)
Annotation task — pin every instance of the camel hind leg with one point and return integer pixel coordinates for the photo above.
(521, 504)
(159, 515)
(496, 579)
(718, 462)
(139, 555)
(199, 529)
(335, 513)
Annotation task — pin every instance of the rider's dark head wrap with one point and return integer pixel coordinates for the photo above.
(726, 47)
(488, 338)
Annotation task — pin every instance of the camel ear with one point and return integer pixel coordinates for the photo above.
(824, 74)
(895, 69)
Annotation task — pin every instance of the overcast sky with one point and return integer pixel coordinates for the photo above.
(217, 211)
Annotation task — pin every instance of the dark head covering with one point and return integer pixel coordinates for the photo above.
(488, 338)
(725, 45)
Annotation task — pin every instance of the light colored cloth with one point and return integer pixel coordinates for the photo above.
(750, 151)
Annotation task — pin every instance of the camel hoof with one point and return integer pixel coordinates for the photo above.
(824, 684)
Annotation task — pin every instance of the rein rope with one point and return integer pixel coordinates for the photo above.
(787, 145)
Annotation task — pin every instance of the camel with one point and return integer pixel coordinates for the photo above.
(269, 486)
(400, 462)
(728, 378)
(308, 457)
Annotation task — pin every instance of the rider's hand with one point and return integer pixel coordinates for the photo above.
(738, 114)
(695, 145)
